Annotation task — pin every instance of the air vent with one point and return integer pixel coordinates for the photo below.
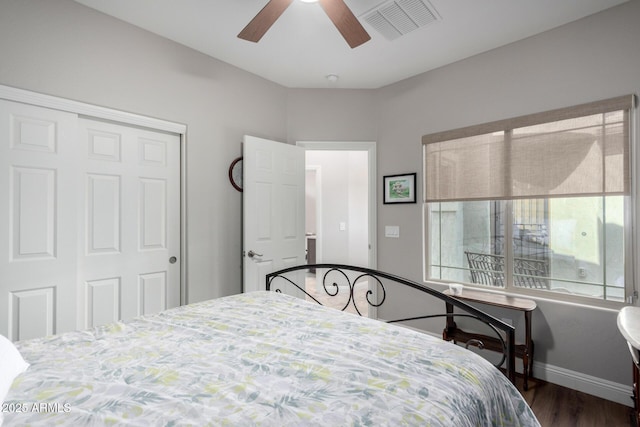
(396, 18)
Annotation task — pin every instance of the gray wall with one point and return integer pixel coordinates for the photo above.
(331, 115)
(61, 48)
(595, 58)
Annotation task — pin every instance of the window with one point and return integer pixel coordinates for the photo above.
(539, 203)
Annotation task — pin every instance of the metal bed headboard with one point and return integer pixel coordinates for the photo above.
(278, 280)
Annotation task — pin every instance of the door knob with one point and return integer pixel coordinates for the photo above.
(173, 260)
(253, 254)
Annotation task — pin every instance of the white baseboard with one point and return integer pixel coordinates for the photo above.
(598, 387)
(604, 389)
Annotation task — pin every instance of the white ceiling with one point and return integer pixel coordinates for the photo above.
(303, 46)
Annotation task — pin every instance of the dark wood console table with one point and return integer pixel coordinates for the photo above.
(523, 351)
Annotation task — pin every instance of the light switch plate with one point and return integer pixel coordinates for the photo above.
(392, 231)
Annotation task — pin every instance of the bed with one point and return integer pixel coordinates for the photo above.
(262, 358)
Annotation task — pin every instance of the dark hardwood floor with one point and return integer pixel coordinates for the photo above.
(557, 406)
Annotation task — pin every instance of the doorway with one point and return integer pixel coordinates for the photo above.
(340, 200)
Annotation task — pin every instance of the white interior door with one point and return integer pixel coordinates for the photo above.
(130, 245)
(273, 209)
(38, 221)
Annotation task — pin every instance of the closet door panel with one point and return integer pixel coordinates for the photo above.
(38, 239)
(131, 202)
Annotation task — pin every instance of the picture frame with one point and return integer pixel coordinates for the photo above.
(399, 188)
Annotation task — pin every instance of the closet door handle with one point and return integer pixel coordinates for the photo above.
(254, 254)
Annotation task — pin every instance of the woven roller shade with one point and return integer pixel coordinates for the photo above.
(576, 151)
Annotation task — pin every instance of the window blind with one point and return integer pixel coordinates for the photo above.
(575, 151)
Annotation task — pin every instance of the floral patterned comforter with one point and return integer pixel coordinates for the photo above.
(258, 359)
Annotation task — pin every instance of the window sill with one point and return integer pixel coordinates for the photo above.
(541, 295)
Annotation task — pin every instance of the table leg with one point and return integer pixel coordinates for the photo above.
(451, 325)
(525, 369)
(531, 359)
(636, 396)
(527, 359)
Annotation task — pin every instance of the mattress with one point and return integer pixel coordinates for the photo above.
(260, 358)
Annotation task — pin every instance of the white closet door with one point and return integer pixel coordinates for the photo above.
(130, 245)
(89, 221)
(38, 221)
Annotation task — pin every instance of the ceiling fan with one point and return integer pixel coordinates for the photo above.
(337, 10)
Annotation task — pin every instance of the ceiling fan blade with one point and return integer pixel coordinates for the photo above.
(259, 25)
(346, 22)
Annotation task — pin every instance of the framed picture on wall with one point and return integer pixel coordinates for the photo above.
(399, 188)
